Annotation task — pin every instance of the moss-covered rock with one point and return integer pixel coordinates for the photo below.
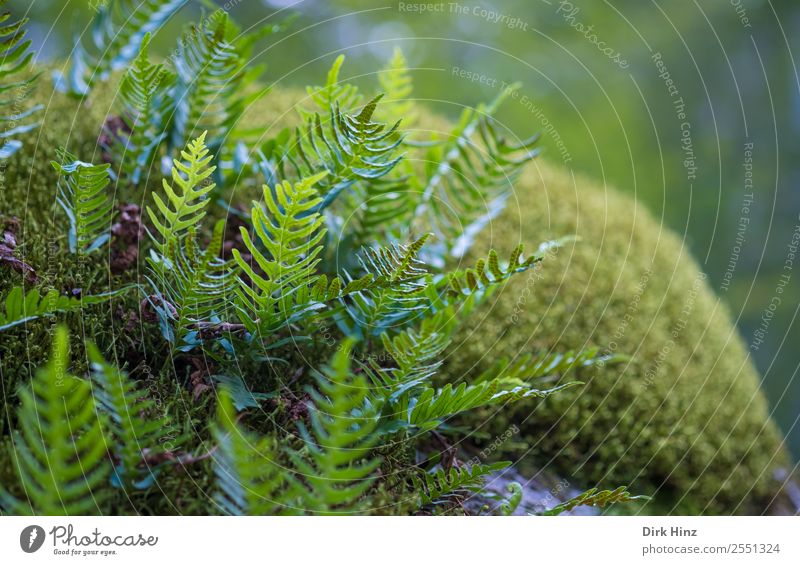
(683, 419)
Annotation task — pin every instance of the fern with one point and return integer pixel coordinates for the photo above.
(84, 197)
(399, 279)
(334, 93)
(60, 449)
(249, 480)
(291, 234)
(22, 307)
(468, 180)
(190, 284)
(128, 416)
(396, 82)
(343, 433)
(352, 148)
(214, 72)
(595, 497)
(489, 272)
(146, 106)
(118, 30)
(436, 486)
(14, 58)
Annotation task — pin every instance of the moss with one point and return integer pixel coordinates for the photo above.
(683, 419)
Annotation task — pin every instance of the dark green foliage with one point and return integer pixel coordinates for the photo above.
(15, 87)
(83, 195)
(21, 307)
(130, 420)
(439, 484)
(60, 449)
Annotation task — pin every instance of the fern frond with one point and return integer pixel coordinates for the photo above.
(21, 307)
(339, 467)
(436, 486)
(396, 83)
(83, 194)
(118, 29)
(503, 383)
(291, 234)
(489, 272)
(334, 93)
(352, 148)
(129, 416)
(595, 497)
(469, 179)
(146, 107)
(214, 73)
(14, 58)
(186, 198)
(398, 280)
(60, 449)
(248, 478)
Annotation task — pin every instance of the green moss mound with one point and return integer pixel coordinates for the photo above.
(683, 419)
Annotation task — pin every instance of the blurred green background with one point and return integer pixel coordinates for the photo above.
(594, 81)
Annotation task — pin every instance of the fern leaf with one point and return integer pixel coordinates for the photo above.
(394, 295)
(146, 107)
(214, 73)
(339, 467)
(248, 477)
(21, 307)
(186, 198)
(290, 233)
(334, 93)
(489, 272)
(128, 415)
(469, 179)
(597, 498)
(352, 148)
(396, 83)
(439, 485)
(501, 384)
(60, 449)
(118, 29)
(83, 194)
(15, 56)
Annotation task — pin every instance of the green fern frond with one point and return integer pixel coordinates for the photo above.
(396, 83)
(597, 498)
(333, 94)
(339, 467)
(21, 307)
(503, 383)
(248, 478)
(468, 179)
(117, 31)
(15, 56)
(489, 272)
(399, 278)
(351, 147)
(83, 194)
(60, 449)
(291, 233)
(186, 198)
(129, 416)
(214, 73)
(437, 486)
(146, 107)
